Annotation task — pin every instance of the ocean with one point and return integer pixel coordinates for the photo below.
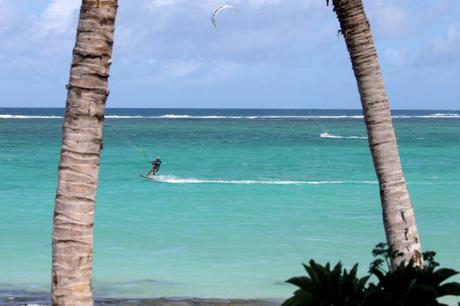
(242, 199)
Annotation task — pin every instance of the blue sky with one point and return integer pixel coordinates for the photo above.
(272, 54)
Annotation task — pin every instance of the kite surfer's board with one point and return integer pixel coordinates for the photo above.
(146, 177)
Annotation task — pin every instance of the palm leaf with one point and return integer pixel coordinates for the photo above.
(301, 282)
(443, 273)
(449, 289)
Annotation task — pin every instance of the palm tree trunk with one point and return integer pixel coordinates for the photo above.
(398, 215)
(81, 147)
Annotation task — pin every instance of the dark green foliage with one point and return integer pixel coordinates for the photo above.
(324, 286)
(406, 285)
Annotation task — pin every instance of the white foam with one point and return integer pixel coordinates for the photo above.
(434, 116)
(176, 180)
(255, 117)
(440, 115)
(218, 117)
(8, 116)
(327, 135)
(123, 117)
(172, 117)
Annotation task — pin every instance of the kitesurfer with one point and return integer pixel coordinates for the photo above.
(156, 163)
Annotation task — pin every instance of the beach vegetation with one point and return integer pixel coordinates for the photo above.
(326, 286)
(407, 285)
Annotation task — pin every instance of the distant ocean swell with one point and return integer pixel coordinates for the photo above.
(218, 117)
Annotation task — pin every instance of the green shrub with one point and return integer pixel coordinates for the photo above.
(404, 286)
(324, 286)
(408, 285)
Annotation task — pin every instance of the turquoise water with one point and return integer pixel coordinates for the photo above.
(243, 197)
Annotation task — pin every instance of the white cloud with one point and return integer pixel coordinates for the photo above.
(259, 3)
(443, 50)
(396, 56)
(209, 5)
(179, 68)
(391, 20)
(58, 18)
(448, 44)
(156, 5)
(223, 69)
(7, 15)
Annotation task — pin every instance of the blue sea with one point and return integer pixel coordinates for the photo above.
(243, 197)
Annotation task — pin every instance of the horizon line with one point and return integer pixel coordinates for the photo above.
(234, 108)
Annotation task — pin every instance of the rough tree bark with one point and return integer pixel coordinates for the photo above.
(81, 147)
(398, 214)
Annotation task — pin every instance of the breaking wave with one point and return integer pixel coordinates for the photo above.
(432, 116)
(256, 117)
(177, 180)
(328, 135)
(8, 116)
(172, 116)
(123, 117)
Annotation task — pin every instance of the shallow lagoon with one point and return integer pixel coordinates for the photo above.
(242, 199)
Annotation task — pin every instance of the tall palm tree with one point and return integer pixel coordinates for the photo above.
(398, 215)
(81, 147)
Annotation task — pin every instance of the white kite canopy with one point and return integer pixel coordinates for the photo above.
(218, 10)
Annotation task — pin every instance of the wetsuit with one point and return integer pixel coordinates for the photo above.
(156, 166)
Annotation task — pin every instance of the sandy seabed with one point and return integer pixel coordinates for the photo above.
(14, 300)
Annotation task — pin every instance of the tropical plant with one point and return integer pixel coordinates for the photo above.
(407, 285)
(81, 147)
(324, 286)
(398, 214)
